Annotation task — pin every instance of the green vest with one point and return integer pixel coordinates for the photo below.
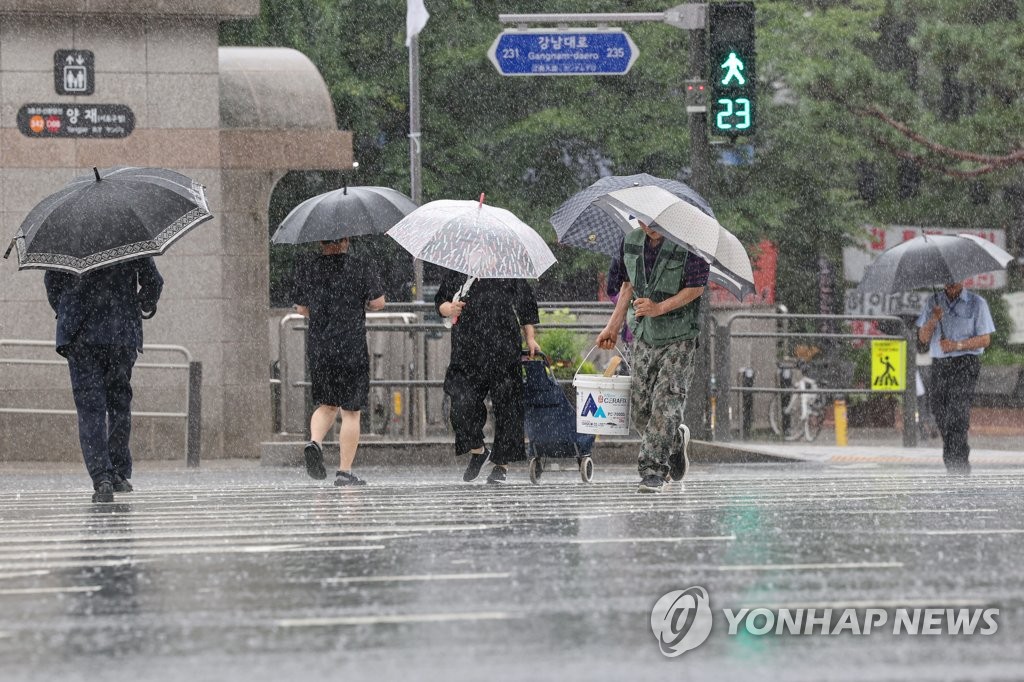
(666, 281)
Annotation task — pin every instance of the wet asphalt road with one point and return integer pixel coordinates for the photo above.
(262, 574)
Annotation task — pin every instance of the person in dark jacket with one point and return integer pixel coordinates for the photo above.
(490, 321)
(99, 331)
(334, 290)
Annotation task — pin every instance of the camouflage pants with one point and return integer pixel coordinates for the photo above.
(661, 377)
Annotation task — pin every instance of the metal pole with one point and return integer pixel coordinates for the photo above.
(698, 400)
(415, 165)
(688, 16)
(194, 440)
(910, 389)
(723, 382)
(415, 171)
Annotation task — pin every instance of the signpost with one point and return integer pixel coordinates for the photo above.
(563, 52)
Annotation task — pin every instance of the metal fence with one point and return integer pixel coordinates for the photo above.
(420, 323)
(191, 415)
(724, 335)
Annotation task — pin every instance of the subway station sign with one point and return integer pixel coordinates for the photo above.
(76, 120)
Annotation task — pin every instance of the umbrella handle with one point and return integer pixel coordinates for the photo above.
(8, 251)
(449, 321)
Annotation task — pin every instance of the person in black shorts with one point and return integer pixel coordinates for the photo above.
(486, 361)
(334, 290)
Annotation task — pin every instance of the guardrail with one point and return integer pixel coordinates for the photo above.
(417, 319)
(193, 394)
(723, 372)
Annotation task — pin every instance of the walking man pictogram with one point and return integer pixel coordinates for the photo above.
(733, 65)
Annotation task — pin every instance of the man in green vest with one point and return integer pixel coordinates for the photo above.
(659, 297)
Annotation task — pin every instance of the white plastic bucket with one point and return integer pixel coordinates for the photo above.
(602, 404)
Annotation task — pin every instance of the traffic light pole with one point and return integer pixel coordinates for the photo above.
(698, 404)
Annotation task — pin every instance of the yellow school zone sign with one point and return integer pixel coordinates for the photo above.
(888, 365)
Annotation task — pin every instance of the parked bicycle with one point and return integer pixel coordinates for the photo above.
(801, 413)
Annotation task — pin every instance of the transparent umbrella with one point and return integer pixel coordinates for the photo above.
(475, 239)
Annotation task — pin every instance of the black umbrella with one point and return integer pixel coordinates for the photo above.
(930, 261)
(108, 217)
(346, 212)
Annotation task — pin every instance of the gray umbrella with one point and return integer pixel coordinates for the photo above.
(932, 260)
(578, 222)
(346, 212)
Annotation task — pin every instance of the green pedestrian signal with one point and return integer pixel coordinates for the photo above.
(733, 63)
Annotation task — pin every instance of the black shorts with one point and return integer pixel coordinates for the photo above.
(340, 381)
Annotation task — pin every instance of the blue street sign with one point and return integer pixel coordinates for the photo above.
(566, 52)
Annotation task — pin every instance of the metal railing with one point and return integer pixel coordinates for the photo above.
(724, 335)
(193, 394)
(420, 320)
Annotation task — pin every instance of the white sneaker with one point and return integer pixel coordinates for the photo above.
(679, 462)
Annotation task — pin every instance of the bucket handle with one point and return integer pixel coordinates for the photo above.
(591, 352)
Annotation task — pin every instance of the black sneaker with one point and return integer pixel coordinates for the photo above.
(103, 492)
(679, 462)
(122, 484)
(344, 478)
(497, 475)
(476, 462)
(314, 454)
(651, 484)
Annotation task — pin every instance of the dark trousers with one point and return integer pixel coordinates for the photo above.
(467, 388)
(951, 394)
(101, 383)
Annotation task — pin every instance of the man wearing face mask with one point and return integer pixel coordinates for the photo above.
(659, 298)
(957, 326)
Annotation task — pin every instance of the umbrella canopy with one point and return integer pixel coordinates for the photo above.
(685, 224)
(475, 239)
(108, 217)
(932, 260)
(346, 212)
(578, 222)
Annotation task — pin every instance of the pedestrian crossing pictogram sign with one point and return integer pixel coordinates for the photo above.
(888, 365)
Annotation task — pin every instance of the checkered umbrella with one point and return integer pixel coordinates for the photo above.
(578, 222)
(685, 224)
(585, 222)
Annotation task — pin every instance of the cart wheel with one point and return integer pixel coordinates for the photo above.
(587, 469)
(536, 469)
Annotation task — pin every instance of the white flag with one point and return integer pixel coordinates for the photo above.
(416, 16)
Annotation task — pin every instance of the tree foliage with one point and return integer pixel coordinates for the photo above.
(824, 161)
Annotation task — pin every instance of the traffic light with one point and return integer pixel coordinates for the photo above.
(733, 68)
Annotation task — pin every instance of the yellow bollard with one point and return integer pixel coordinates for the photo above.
(396, 399)
(839, 407)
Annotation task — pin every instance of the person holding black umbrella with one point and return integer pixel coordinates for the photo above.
(964, 325)
(334, 290)
(95, 238)
(99, 331)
